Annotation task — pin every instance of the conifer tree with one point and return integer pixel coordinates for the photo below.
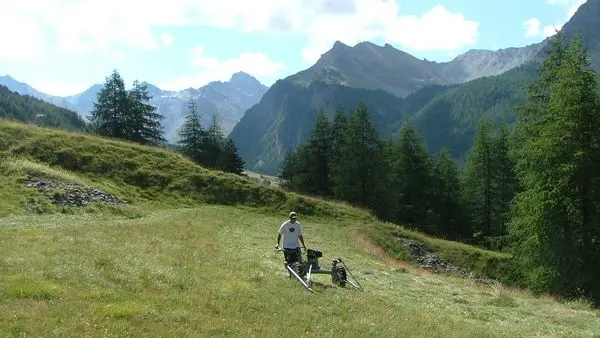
(111, 108)
(446, 197)
(505, 180)
(319, 157)
(192, 135)
(142, 124)
(295, 173)
(337, 127)
(480, 180)
(412, 178)
(213, 142)
(229, 159)
(357, 175)
(556, 221)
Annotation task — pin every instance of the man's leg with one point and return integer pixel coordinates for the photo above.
(291, 256)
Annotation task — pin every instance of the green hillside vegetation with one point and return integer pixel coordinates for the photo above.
(532, 193)
(446, 116)
(452, 117)
(191, 255)
(29, 109)
(293, 108)
(153, 175)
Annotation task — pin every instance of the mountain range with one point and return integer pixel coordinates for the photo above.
(443, 101)
(393, 84)
(228, 100)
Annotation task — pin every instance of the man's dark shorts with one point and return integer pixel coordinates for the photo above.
(292, 255)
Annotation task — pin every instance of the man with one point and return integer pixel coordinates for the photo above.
(292, 232)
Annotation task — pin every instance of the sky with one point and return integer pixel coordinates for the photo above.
(62, 47)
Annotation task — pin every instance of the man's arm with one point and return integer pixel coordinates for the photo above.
(302, 241)
(278, 239)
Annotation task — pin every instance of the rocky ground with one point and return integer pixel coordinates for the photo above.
(70, 194)
(429, 260)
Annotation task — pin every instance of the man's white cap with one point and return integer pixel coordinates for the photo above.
(293, 214)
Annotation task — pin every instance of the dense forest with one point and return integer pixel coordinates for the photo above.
(532, 190)
(29, 109)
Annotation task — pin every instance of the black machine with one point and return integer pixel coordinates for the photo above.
(303, 270)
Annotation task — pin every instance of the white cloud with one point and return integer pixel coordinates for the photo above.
(574, 6)
(438, 29)
(90, 25)
(532, 27)
(20, 35)
(167, 39)
(550, 30)
(210, 68)
(571, 7)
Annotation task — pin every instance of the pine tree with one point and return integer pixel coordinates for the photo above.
(337, 128)
(412, 177)
(111, 108)
(192, 135)
(286, 172)
(446, 197)
(556, 221)
(142, 124)
(361, 166)
(480, 180)
(229, 159)
(319, 157)
(213, 142)
(505, 180)
(295, 173)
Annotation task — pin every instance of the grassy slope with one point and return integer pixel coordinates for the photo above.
(176, 267)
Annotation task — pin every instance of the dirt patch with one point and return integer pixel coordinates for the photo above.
(70, 194)
(429, 260)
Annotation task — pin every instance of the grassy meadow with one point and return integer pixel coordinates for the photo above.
(193, 256)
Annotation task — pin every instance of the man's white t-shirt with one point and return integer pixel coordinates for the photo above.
(290, 232)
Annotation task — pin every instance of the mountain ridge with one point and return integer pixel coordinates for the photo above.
(227, 99)
(368, 65)
(469, 83)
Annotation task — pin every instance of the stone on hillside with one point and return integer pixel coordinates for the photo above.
(427, 259)
(70, 194)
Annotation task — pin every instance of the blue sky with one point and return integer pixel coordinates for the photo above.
(62, 47)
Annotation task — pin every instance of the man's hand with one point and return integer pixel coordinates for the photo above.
(276, 246)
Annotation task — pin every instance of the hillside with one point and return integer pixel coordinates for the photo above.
(167, 263)
(26, 108)
(286, 114)
(450, 119)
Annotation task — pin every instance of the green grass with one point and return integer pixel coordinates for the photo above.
(485, 262)
(181, 262)
(212, 271)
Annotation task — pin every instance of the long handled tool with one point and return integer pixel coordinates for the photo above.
(303, 270)
(299, 279)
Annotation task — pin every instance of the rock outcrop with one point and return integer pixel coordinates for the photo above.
(70, 194)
